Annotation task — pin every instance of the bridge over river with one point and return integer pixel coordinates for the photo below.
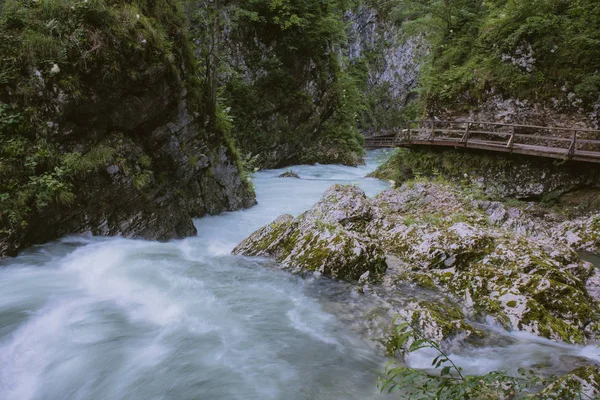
(544, 141)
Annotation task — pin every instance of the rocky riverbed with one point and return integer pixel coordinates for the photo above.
(480, 266)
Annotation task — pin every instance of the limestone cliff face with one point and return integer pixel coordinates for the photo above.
(393, 65)
(112, 140)
(165, 170)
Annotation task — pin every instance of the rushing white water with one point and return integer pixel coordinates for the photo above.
(108, 318)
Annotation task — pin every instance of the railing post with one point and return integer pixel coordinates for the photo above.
(511, 140)
(571, 152)
(465, 138)
(432, 134)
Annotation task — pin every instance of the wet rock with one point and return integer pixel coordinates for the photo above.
(443, 239)
(438, 321)
(289, 174)
(328, 238)
(582, 383)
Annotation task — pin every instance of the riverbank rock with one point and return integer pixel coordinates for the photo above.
(112, 140)
(329, 238)
(497, 175)
(441, 238)
(583, 383)
(581, 234)
(289, 174)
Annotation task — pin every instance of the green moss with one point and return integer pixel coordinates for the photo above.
(424, 281)
(511, 303)
(64, 55)
(521, 50)
(549, 326)
(445, 316)
(405, 165)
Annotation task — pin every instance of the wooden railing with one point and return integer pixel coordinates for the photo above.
(555, 142)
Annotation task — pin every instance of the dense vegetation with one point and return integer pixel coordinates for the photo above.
(61, 60)
(82, 84)
(450, 382)
(273, 74)
(545, 51)
(283, 84)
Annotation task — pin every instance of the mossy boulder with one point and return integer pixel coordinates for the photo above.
(443, 239)
(438, 320)
(581, 234)
(582, 383)
(327, 239)
(452, 243)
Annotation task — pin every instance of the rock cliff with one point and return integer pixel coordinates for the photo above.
(104, 132)
(498, 175)
(489, 259)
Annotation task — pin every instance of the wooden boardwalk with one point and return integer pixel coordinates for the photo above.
(542, 141)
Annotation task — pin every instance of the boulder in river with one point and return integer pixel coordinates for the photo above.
(439, 237)
(289, 174)
(329, 238)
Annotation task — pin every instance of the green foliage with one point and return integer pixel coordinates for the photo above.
(142, 179)
(59, 60)
(72, 43)
(34, 173)
(299, 93)
(543, 50)
(447, 381)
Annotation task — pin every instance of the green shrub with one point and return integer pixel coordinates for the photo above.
(55, 56)
(449, 382)
(547, 51)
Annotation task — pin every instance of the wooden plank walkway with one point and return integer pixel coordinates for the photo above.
(542, 141)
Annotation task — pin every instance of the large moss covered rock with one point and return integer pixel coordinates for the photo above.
(522, 282)
(329, 238)
(446, 240)
(583, 383)
(102, 127)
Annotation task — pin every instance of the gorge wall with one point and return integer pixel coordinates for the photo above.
(520, 62)
(102, 128)
(300, 82)
(497, 175)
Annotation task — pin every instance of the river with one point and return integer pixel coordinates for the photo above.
(110, 318)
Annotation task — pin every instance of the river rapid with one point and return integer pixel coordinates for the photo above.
(110, 318)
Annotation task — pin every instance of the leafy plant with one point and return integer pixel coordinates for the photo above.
(544, 50)
(447, 381)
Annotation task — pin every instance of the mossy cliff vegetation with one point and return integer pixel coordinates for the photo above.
(491, 259)
(104, 125)
(497, 175)
(284, 85)
(531, 61)
(300, 80)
